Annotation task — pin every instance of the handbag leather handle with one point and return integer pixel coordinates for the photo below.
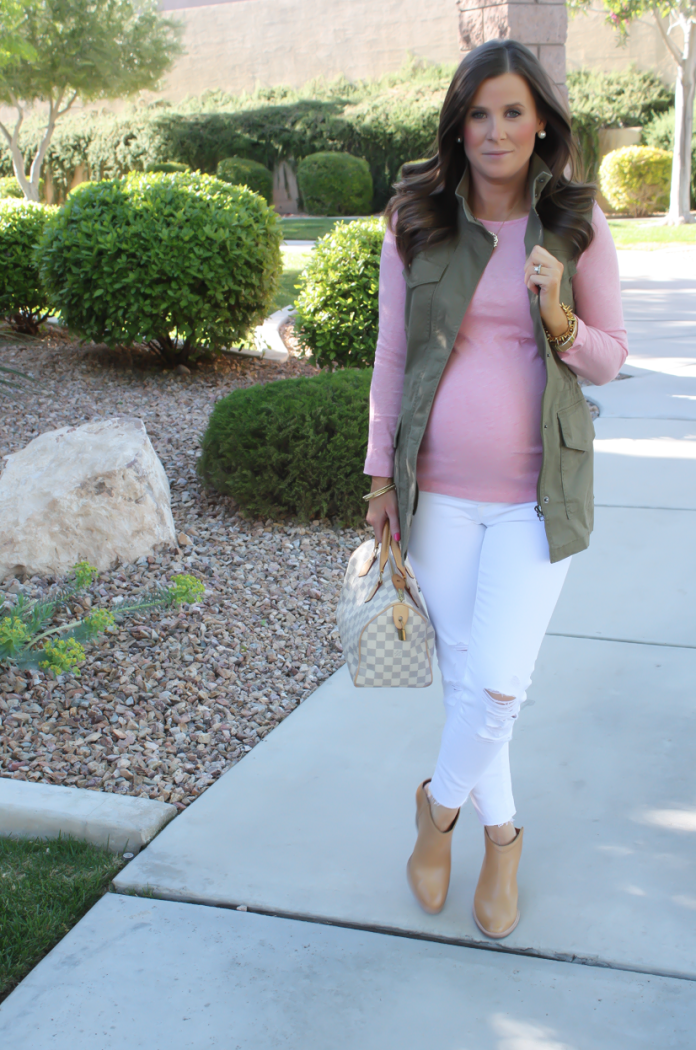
(389, 543)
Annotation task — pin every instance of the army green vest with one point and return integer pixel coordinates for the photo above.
(440, 285)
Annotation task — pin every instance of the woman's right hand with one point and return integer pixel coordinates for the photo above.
(382, 508)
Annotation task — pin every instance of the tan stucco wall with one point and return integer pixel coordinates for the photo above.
(237, 46)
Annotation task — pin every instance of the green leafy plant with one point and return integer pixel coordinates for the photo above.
(635, 179)
(184, 263)
(186, 588)
(624, 99)
(8, 384)
(23, 299)
(335, 184)
(295, 447)
(242, 172)
(337, 311)
(30, 638)
(63, 655)
(165, 167)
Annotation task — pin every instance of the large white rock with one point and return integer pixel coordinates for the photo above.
(96, 492)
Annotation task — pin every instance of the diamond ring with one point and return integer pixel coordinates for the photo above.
(537, 268)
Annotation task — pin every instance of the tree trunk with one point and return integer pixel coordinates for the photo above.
(680, 192)
(37, 163)
(30, 185)
(30, 192)
(16, 153)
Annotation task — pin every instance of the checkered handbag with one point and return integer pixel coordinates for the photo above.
(387, 637)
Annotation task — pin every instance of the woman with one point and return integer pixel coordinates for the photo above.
(506, 274)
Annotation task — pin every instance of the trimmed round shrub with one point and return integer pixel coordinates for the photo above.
(242, 172)
(184, 263)
(335, 184)
(636, 179)
(337, 309)
(165, 167)
(23, 299)
(295, 447)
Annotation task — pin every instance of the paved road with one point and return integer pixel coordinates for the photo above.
(310, 831)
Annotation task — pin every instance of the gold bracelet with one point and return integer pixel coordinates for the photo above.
(380, 492)
(565, 340)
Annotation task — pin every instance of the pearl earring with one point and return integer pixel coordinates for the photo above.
(541, 134)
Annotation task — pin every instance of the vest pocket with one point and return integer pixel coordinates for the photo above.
(421, 281)
(577, 434)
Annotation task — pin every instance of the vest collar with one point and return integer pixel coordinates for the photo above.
(539, 176)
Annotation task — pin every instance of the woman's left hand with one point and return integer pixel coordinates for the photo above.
(548, 285)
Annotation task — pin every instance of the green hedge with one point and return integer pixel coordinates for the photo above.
(384, 121)
(166, 167)
(242, 172)
(295, 447)
(335, 184)
(184, 263)
(629, 98)
(337, 308)
(23, 299)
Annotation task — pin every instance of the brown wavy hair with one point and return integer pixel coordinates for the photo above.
(424, 197)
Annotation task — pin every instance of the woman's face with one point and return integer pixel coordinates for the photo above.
(500, 128)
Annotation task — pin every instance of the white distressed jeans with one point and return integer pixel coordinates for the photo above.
(490, 588)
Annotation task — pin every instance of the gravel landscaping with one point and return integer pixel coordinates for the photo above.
(167, 702)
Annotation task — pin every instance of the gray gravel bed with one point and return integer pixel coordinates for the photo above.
(169, 700)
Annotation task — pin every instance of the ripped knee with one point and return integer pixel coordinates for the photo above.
(501, 711)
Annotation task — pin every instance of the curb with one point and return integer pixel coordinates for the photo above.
(268, 339)
(45, 811)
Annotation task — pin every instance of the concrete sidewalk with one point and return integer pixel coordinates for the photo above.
(314, 826)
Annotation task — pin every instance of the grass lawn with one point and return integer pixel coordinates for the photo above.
(294, 261)
(650, 233)
(309, 228)
(627, 233)
(45, 887)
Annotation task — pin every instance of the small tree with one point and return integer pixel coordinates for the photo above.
(63, 50)
(673, 17)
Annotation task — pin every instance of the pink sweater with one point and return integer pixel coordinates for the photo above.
(483, 439)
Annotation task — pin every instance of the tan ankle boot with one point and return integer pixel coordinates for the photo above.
(428, 868)
(495, 900)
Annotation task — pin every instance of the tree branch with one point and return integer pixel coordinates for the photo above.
(6, 133)
(669, 44)
(66, 107)
(13, 143)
